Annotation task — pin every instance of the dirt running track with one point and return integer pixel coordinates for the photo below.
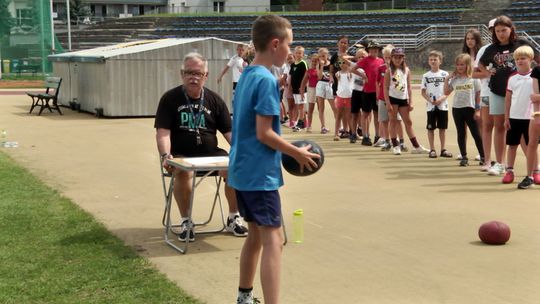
(379, 228)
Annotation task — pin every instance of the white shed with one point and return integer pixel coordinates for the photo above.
(128, 79)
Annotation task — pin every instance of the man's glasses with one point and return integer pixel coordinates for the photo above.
(188, 73)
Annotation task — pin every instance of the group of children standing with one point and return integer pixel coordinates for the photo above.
(487, 82)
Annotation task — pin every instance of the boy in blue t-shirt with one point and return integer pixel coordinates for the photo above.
(255, 158)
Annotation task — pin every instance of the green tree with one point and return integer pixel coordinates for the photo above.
(6, 20)
(78, 9)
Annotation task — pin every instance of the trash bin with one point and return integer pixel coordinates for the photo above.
(5, 66)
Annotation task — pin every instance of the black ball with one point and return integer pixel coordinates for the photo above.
(292, 166)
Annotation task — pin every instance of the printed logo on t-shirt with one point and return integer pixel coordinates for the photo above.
(187, 121)
(436, 81)
(504, 60)
(464, 87)
(398, 82)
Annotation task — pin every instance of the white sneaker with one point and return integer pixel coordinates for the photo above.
(459, 157)
(496, 169)
(380, 143)
(478, 158)
(396, 150)
(485, 168)
(419, 150)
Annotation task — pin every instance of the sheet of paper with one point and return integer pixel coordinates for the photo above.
(201, 161)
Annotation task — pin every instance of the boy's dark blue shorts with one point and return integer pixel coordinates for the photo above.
(261, 207)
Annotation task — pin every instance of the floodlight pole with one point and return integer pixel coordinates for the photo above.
(69, 25)
(52, 28)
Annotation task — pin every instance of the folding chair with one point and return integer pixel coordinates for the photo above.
(168, 187)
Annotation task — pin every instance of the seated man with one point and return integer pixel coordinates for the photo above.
(186, 122)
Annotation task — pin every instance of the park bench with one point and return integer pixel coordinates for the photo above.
(43, 100)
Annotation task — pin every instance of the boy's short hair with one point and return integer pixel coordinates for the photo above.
(436, 54)
(361, 51)
(268, 27)
(299, 48)
(387, 50)
(524, 51)
(314, 57)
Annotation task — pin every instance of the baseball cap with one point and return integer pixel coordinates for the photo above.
(398, 52)
(492, 23)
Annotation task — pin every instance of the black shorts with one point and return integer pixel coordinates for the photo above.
(261, 207)
(217, 152)
(369, 102)
(437, 119)
(356, 101)
(399, 102)
(518, 128)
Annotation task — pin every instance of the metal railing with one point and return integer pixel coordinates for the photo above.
(428, 36)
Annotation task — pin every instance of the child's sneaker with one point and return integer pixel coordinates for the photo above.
(420, 150)
(464, 162)
(508, 177)
(396, 150)
(445, 153)
(478, 158)
(296, 129)
(536, 178)
(387, 146)
(526, 183)
(496, 169)
(366, 141)
(236, 227)
(324, 130)
(352, 138)
(459, 157)
(184, 231)
(379, 143)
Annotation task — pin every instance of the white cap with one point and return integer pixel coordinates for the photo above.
(492, 23)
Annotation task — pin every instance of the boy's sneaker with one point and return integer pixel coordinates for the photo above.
(508, 177)
(366, 141)
(387, 146)
(464, 162)
(526, 183)
(536, 178)
(396, 150)
(420, 150)
(184, 232)
(380, 142)
(403, 147)
(496, 169)
(236, 227)
(352, 138)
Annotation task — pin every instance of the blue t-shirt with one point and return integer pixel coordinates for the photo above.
(254, 166)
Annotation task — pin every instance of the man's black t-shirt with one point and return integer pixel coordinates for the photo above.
(502, 60)
(297, 72)
(174, 114)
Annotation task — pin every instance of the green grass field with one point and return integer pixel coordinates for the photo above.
(51, 251)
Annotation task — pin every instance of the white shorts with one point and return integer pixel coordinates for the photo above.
(324, 90)
(299, 99)
(311, 96)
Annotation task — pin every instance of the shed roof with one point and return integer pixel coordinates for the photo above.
(101, 54)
